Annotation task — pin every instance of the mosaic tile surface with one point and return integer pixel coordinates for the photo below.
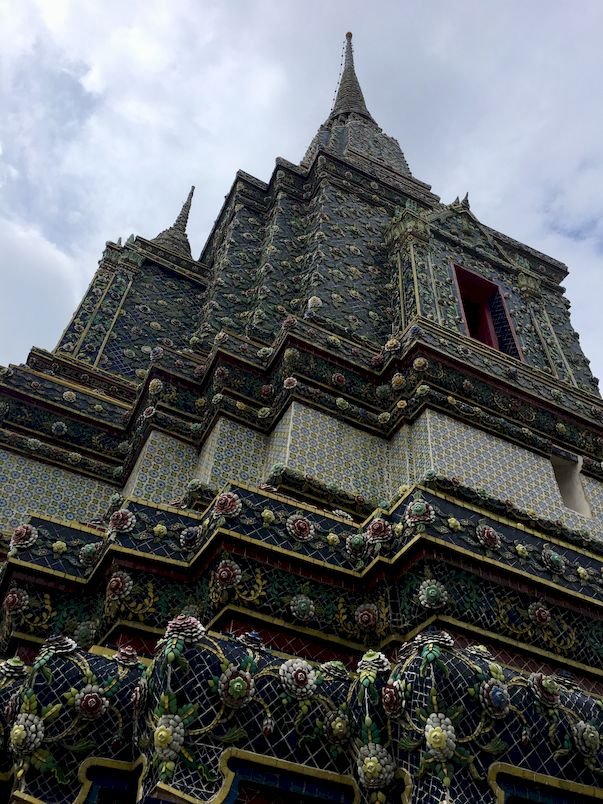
(29, 486)
(277, 450)
(485, 461)
(205, 463)
(399, 458)
(147, 319)
(233, 452)
(335, 452)
(419, 446)
(506, 471)
(329, 242)
(162, 470)
(593, 491)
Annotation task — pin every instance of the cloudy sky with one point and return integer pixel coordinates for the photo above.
(110, 110)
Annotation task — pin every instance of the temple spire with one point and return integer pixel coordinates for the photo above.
(349, 95)
(182, 219)
(351, 133)
(175, 238)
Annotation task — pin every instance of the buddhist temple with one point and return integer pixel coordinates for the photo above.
(314, 516)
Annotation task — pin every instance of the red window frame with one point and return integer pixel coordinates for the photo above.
(476, 294)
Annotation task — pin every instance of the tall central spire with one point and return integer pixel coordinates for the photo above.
(350, 131)
(349, 95)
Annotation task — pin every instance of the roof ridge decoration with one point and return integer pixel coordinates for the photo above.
(458, 207)
(349, 96)
(175, 238)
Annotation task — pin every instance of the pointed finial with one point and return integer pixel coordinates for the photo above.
(182, 218)
(175, 238)
(465, 201)
(339, 132)
(349, 95)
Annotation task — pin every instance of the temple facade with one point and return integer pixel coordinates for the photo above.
(316, 516)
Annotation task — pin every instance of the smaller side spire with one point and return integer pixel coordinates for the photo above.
(349, 95)
(175, 238)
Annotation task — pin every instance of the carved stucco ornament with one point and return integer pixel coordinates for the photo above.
(406, 223)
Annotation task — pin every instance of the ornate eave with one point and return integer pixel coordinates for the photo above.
(256, 543)
(425, 539)
(502, 392)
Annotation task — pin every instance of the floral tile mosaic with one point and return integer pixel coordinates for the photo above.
(29, 486)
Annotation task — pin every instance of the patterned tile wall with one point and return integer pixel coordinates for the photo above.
(305, 440)
(419, 447)
(481, 460)
(204, 466)
(232, 452)
(29, 486)
(593, 491)
(338, 453)
(399, 461)
(315, 443)
(277, 450)
(506, 470)
(164, 467)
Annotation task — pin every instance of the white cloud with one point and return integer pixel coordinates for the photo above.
(45, 282)
(113, 110)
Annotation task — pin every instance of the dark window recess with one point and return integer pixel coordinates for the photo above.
(112, 786)
(259, 784)
(485, 312)
(525, 792)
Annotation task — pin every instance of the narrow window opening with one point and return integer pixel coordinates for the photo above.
(567, 474)
(477, 321)
(485, 312)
